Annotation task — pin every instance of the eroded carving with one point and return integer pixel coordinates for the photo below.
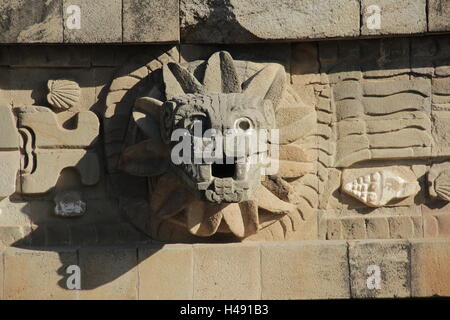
(205, 199)
(69, 203)
(48, 148)
(439, 181)
(9, 152)
(378, 188)
(63, 94)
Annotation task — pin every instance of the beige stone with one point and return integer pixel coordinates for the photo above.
(166, 272)
(441, 122)
(430, 265)
(101, 22)
(226, 271)
(2, 277)
(397, 17)
(378, 187)
(29, 85)
(308, 270)
(436, 221)
(235, 22)
(63, 94)
(108, 274)
(150, 21)
(31, 275)
(40, 24)
(389, 260)
(438, 11)
(50, 148)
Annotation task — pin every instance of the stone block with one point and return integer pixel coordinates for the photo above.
(150, 21)
(29, 85)
(2, 277)
(226, 271)
(166, 272)
(305, 270)
(436, 221)
(397, 17)
(236, 21)
(305, 70)
(50, 56)
(23, 21)
(438, 14)
(377, 228)
(10, 235)
(379, 269)
(430, 267)
(101, 21)
(108, 273)
(31, 275)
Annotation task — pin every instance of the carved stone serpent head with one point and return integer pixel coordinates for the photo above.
(223, 192)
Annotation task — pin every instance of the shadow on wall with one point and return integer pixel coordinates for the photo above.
(104, 245)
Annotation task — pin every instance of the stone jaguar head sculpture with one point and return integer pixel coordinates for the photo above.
(230, 117)
(219, 153)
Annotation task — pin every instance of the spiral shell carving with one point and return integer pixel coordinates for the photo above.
(63, 94)
(378, 188)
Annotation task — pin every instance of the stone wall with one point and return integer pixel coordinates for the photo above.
(296, 270)
(208, 21)
(362, 191)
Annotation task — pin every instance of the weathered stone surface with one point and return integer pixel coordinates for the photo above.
(63, 94)
(166, 272)
(235, 21)
(48, 56)
(226, 271)
(52, 148)
(430, 265)
(9, 152)
(436, 221)
(150, 21)
(379, 269)
(29, 85)
(33, 275)
(438, 13)
(378, 187)
(441, 122)
(2, 276)
(439, 181)
(382, 223)
(101, 21)
(108, 274)
(23, 22)
(308, 270)
(397, 17)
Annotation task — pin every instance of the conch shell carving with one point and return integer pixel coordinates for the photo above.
(378, 188)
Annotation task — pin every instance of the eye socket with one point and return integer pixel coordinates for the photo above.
(243, 123)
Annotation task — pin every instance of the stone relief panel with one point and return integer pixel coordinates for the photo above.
(387, 119)
(363, 148)
(207, 201)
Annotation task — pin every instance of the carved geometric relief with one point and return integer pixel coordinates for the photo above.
(192, 201)
(49, 148)
(382, 120)
(9, 152)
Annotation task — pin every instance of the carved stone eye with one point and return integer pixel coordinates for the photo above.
(243, 124)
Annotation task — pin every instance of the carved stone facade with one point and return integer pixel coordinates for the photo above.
(363, 142)
(363, 152)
